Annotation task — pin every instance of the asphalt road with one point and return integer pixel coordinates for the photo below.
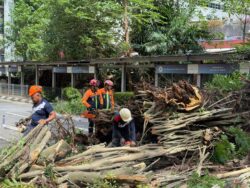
(11, 112)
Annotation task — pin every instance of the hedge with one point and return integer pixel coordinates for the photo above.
(121, 97)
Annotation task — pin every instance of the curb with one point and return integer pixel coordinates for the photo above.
(16, 99)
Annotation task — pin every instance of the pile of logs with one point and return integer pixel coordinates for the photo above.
(184, 142)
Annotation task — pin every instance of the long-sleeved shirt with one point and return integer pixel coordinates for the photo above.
(107, 98)
(123, 129)
(92, 99)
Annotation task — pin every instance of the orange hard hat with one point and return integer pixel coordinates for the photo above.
(35, 89)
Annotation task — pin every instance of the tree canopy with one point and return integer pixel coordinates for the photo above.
(78, 29)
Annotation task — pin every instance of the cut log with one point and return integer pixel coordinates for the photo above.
(35, 153)
(54, 152)
(233, 173)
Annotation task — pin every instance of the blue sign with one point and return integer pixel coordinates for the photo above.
(60, 69)
(217, 68)
(171, 69)
(2, 69)
(78, 70)
(13, 69)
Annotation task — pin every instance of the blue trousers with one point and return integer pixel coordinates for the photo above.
(128, 133)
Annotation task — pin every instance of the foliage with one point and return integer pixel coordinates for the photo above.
(245, 49)
(43, 29)
(103, 183)
(71, 94)
(205, 181)
(122, 97)
(71, 29)
(223, 150)
(237, 147)
(7, 183)
(225, 83)
(240, 9)
(71, 103)
(74, 107)
(242, 141)
(165, 36)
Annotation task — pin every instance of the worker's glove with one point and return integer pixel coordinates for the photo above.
(42, 122)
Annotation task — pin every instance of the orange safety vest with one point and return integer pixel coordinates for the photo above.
(107, 97)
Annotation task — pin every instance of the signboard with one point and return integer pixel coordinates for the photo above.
(77, 70)
(13, 69)
(60, 69)
(217, 68)
(74, 70)
(171, 69)
(2, 69)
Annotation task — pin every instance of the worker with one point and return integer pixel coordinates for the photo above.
(42, 111)
(107, 95)
(92, 100)
(123, 129)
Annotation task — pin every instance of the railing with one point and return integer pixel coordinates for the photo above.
(14, 90)
(22, 91)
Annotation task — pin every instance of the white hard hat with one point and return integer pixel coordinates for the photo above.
(125, 114)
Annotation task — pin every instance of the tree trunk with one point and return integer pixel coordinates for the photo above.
(126, 24)
(244, 29)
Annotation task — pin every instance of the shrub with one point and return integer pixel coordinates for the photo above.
(122, 97)
(223, 150)
(242, 141)
(225, 83)
(70, 94)
(205, 181)
(7, 183)
(74, 107)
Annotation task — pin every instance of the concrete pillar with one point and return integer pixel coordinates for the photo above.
(123, 79)
(198, 80)
(37, 75)
(72, 80)
(156, 79)
(53, 79)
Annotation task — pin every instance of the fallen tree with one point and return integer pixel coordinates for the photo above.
(185, 140)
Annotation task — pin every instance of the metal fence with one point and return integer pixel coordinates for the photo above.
(14, 90)
(22, 91)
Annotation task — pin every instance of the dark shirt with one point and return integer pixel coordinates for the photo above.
(40, 111)
(123, 129)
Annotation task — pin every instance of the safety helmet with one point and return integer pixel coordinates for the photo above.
(109, 82)
(125, 114)
(35, 89)
(93, 82)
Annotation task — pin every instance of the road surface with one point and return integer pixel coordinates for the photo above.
(11, 112)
